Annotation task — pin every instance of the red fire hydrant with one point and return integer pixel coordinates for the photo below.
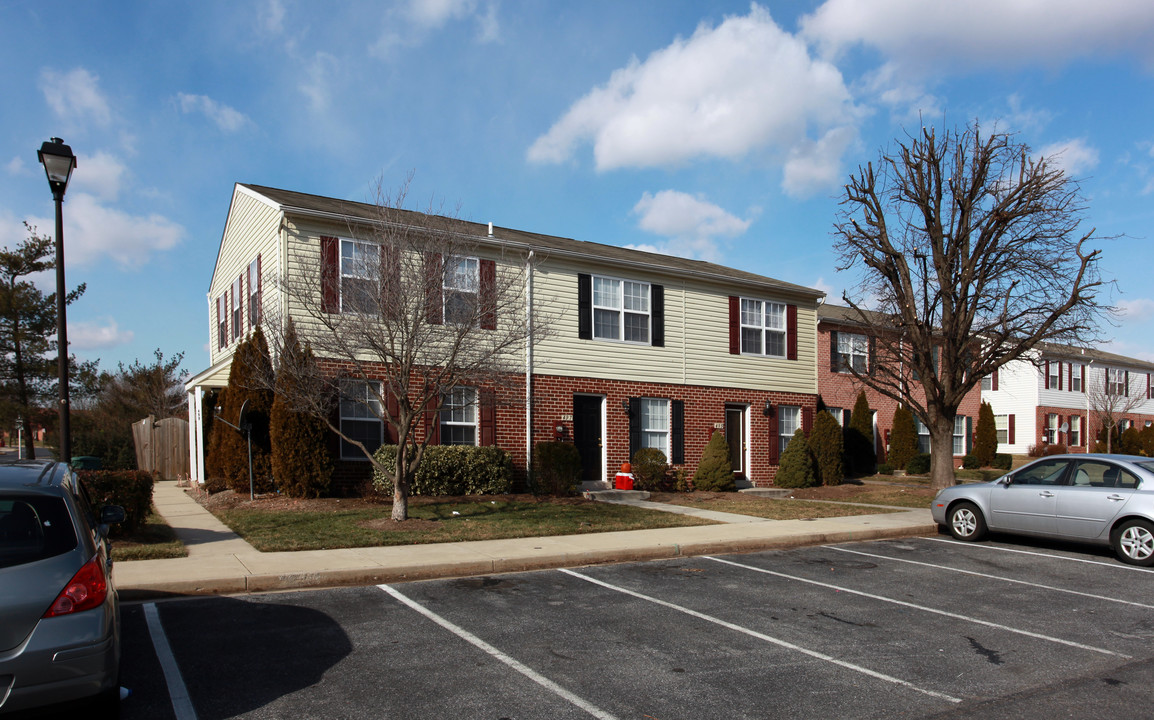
(624, 479)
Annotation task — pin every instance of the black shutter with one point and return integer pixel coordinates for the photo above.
(634, 426)
(833, 363)
(585, 306)
(677, 452)
(657, 293)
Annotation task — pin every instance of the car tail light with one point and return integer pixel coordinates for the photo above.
(86, 590)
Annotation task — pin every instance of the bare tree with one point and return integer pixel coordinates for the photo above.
(416, 306)
(1109, 406)
(972, 253)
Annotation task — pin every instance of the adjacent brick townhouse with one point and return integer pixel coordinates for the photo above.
(647, 350)
(1055, 397)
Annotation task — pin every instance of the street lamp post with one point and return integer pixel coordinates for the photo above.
(59, 162)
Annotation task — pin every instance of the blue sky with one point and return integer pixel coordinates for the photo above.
(717, 130)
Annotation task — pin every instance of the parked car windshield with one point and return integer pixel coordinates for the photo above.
(33, 528)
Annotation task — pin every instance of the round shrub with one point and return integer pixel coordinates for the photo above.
(714, 473)
(919, 464)
(885, 469)
(649, 469)
(1003, 461)
(970, 462)
(556, 468)
(796, 469)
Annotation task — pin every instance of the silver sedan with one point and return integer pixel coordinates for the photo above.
(1093, 498)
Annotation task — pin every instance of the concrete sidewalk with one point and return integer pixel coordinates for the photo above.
(219, 562)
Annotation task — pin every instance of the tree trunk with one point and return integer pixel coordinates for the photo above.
(401, 486)
(942, 453)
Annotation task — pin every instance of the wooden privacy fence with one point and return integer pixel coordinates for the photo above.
(162, 446)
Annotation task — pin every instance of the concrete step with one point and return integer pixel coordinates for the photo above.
(616, 495)
(767, 492)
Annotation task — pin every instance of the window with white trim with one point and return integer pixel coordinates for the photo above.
(1116, 382)
(655, 424)
(987, 383)
(923, 435)
(763, 328)
(621, 310)
(462, 278)
(788, 421)
(237, 308)
(1075, 435)
(360, 417)
(1075, 377)
(839, 414)
(222, 321)
(852, 352)
(1055, 379)
(1051, 431)
(459, 417)
(1125, 424)
(959, 435)
(360, 276)
(1002, 425)
(254, 308)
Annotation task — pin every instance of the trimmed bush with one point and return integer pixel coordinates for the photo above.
(300, 460)
(970, 462)
(714, 473)
(859, 445)
(130, 489)
(796, 469)
(1147, 437)
(1003, 461)
(451, 470)
(985, 436)
(903, 438)
(649, 469)
(825, 442)
(1131, 443)
(556, 468)
(919, 464)
(885, 469)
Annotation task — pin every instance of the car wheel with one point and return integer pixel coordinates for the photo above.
(1133, 542)
(965, 522)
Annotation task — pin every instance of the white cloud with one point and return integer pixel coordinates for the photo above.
(815, 165)
(270, 17)
(94, 232)
(100, 174)
(725, 92)
(692, 224)
(318, 81)
(15, 166)
(1138, 310)
(435, 13)
(225, 117)
(75, 96)
(924, 36)
(412, 23)
(1073, 157)
(88, 336)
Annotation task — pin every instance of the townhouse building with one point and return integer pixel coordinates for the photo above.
(1059, 396)
(645, 350)
(844, 343)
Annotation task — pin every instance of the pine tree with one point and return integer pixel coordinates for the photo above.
(903, 438)
(714, 473)
(796, 469)
(985, 436)
(301, 465)
(825, 442)
(250, 362)
(859, 444)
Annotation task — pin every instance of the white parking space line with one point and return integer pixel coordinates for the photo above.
(498, 655)
(923, 608)
(1116, 566)
(936, 566)
(181, 702)
(762, 636)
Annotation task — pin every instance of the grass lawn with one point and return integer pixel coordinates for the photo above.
(154, 540)
(322, 524)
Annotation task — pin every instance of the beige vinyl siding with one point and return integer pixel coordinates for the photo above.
(696, 347)
(252, 228)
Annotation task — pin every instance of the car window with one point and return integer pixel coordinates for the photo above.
(1043, 472)
(1127, 479)
(33, 528)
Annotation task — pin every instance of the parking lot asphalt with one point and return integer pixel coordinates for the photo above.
(916, 627)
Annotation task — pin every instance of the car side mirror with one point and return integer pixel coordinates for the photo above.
(1008, 480)
(111, 514)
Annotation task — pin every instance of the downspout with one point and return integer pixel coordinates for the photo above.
(529, 368)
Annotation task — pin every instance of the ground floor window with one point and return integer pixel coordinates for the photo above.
(655, 424)
(923, 435)
(1075, 437)
(959, 435)
(788, 421)
(1002, 425)
(1051, 431)
(360, 417)
(459, 417)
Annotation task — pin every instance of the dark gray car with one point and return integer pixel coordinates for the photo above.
(1094, 498)
(59, 611)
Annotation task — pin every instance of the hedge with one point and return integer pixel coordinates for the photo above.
(649, 469)
(130, 489)
(556, 468)
(451, 470)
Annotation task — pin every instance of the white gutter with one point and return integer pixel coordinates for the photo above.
(528, 365)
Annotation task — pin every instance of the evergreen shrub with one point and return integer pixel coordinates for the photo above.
(903, 438)
(919, 464)
(985, 436)
(714, 473)
(130, 489)
(859, 446)
(1003, 461)
(556, 468)
(796, 468)
(825, 442)
(650, 469)
(451, 470)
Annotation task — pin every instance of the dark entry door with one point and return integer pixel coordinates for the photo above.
(587, 436)
(735, 438)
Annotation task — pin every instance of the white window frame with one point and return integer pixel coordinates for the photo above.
(959, 444)
(459, 411)
(987, 383)
(1116, 382)
(237, 309)
(623, 300)
(254, 287)
(838, 414)
(766, 318)
(1055, 379)
(1075, 377)
(365, 268)
(462, 278)
(852, 351)
(655, 424)
(360, 403)
(788, 421)
(1002, 427)
(1050, 432)
(222, 338)
(925, 442)
(1074, 436)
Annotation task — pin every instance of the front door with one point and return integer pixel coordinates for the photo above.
(587, 436)
(735, 438)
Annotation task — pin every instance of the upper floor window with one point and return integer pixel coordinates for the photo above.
(1075, 377)
(459, 417)
(360, 417)
(222, 321)
(254, 289)
(621, 310)
(763, 328)
(1054, 375)
(987, 383)
(360, 276)
(852, 352)
(462, 279)
(237, 307)
(1116, 382)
